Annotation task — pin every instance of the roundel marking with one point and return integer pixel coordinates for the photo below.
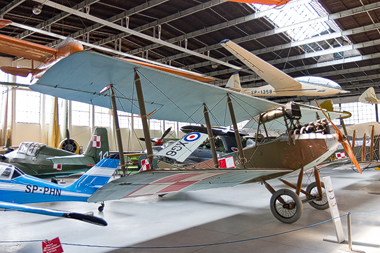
(192, 137)
(235, 149)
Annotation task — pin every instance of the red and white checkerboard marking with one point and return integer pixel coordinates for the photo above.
(57, 166)
(96, 141)
(340, 155)
(227, 162)
(145, 164)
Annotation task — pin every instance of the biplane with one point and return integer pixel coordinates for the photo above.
(98, 79)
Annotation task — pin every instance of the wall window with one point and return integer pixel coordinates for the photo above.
(361, 113)
(80, 114)
(28, 106)
(102, 117)
(124, 119)
(137, 123)
(155, 124)
(172, 124)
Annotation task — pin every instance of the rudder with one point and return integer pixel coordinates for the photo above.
(98, 147)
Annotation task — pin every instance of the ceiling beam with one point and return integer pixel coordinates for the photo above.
(270, 32)
(57, 18)
(10, 7)
(132, 11)
(132, 32)
(257, 15)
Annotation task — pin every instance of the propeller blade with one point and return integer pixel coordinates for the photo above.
(351, 154)
(141, 139)
(166, 133)
(340, 138)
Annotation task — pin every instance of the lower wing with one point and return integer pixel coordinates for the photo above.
(32, 209)
(163, 181)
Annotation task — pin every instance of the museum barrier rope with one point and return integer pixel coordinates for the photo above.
(194, 245)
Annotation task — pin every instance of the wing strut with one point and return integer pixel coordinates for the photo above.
(144, 120)
(364, 147)
(210, 136)
(117, 128)
(237, 135)
(372, 142)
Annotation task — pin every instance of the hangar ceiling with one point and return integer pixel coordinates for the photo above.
(340, 42)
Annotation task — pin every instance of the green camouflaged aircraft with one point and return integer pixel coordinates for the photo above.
(43, 161)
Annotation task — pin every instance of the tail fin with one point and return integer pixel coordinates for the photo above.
(96, 177)
(234, 82)
(369, 96)
(328, 105)
(98, 147)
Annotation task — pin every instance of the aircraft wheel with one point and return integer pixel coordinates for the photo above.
(287, 212)
(101, 207)
(317, 203)
(54, 180)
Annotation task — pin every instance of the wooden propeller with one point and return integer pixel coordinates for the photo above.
(341, 139)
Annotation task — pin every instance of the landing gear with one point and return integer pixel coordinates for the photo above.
(54, 180)
(317, 201)
(286, 206)
(101, 207)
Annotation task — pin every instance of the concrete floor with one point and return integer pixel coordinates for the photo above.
(234, 219)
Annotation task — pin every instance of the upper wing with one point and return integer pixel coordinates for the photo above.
(272, 75)
(363, 128)
(82, 76)
(182, 149)
(56, 213)
(163, 181)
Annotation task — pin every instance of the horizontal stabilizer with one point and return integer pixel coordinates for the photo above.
(272, 75)
(72, 160)
(50, 212)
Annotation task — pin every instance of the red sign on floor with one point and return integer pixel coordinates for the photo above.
(53, 246)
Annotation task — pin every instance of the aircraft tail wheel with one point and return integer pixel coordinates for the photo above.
(101, 207)
(286, 206)
(317, 203)
(69, 145)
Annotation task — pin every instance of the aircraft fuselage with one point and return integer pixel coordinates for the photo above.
(311, 86)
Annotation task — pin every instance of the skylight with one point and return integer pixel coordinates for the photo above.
(307, 19)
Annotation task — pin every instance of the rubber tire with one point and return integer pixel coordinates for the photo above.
(275, 206)
(320, 205)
